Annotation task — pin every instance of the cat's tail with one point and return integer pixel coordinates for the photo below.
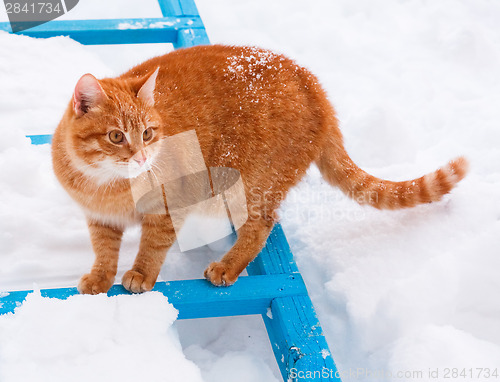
(339, 170)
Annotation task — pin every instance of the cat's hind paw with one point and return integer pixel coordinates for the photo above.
(136, 282)
(220, 274)
(93, 283)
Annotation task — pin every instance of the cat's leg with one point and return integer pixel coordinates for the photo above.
(251, 239)
(158, 235)
(106, 242)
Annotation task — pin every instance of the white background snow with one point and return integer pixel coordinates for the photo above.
(415, 83)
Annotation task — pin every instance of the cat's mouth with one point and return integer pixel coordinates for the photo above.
(139, 166)
(109, 171)
(140, 162)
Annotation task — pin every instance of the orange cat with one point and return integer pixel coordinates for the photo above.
(252, 110)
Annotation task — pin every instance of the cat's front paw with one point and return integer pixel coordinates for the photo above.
(221, 274)
(136, 282)
(93, 283)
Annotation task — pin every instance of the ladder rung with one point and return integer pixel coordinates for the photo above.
(119, 31)
(198, 298)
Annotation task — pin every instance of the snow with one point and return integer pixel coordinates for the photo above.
(415, 84)
(136, 25)
(96, 338)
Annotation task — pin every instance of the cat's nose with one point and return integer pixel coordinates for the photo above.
(140, 158)
(141, 161)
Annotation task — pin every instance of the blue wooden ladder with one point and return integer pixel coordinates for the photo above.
(274, 288)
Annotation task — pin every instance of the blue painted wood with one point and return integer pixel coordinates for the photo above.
(298, 342)
(294, 330)
(40, 139)
(275, 257)
(178, 7)
(170, 8)
(188, 7)
(191, 37)
(130, 31)
(198, 298)
(186, 37)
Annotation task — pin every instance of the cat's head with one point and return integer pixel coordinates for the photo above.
(114, 128)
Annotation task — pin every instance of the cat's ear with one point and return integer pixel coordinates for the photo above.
(88, 93)
(147, 90)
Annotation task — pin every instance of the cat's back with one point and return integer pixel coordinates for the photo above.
(249, 74)
(251, 108)
(232, 62)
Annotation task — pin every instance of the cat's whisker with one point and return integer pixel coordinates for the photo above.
(154, 174)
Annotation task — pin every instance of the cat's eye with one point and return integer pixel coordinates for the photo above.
(148, 134)
(116, 136)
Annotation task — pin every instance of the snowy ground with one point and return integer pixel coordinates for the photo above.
(415, 83)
